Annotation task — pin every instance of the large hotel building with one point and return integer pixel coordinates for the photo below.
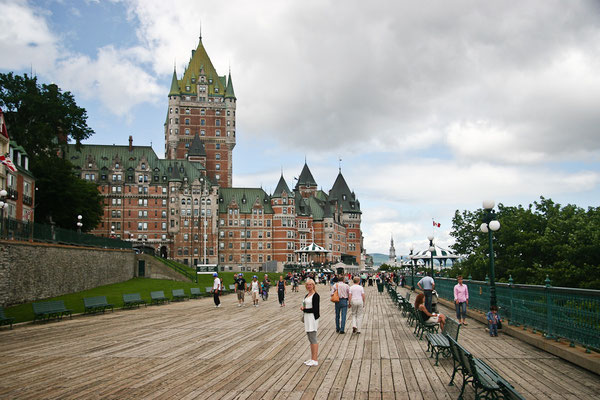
(184, 206)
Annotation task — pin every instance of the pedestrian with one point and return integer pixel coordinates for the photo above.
(341, 307)
(266, 286)
(427, 284)
(493, 320)
(240, 287)
(310, 308)
(295, 280)
(461, 299)
(356, 297)
(281, 289)
(217, 288)
(255, 290)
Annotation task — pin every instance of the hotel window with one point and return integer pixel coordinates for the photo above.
(202, 133)
(218, 122)
(187, 121)
(187, 131)
(217, 166)
(218, 132)
(218, 146)
(187, 110)
(217, 177)
(202, 111)
(203, 122)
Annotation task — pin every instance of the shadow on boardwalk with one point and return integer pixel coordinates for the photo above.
(191, 350)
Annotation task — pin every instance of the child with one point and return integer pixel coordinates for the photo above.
(493, 320)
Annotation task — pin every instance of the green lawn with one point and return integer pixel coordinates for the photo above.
(114, 292)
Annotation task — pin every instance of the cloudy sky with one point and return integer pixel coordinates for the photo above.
(432, 107)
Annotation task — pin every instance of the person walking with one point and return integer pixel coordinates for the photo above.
(461, 299)
(310, 308)
(240, 287)
(281, 289)
(217, 288)
(255, 289)
(266, 286)
(356, 297)
(341, 307)
(427, 284)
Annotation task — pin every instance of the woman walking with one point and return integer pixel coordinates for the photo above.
(356, 297)
(310, 308)
(281, 291)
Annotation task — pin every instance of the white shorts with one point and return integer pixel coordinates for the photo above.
(432, 320)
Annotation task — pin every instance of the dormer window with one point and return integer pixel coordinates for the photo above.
(344, 197)
(216, 90)
(210, 81)
(187, 88)
(143, 166)
(116, 165)
(89, 164)
(193, 80)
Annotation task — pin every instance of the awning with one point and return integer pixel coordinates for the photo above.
(313, 248)
(438, 254)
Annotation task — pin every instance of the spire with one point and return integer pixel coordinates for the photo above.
(197, 147)
(175, 91)
(306, 177)
(229, 93)
(281, 187)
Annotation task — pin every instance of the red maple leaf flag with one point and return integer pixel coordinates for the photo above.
(435, 224)
(8, 162)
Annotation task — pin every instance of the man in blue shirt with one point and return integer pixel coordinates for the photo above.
(427, 284)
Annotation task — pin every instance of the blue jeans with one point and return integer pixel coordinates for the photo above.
(493, 329)
(428, 298)
(341, 307)
(461, 310)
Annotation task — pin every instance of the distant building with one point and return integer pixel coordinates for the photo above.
(15, 178)
(185, 206)
(392, 257)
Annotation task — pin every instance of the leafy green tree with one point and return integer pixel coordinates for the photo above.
(544, 239)
(38, 115)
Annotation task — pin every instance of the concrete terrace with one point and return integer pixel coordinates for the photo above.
(191, 350)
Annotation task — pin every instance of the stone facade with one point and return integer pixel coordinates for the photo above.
(34, 271)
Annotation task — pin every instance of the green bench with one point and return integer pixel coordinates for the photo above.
(422, 327)
(486, 382)
(179, 295)
(195, 292)
(438, 343)
(158, 297)
(412, 317)
(48, 310)
(96, 304)
(131, 300)
(4, 320)
(232, 288)
(208, 289)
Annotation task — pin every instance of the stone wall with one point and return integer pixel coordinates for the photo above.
(35, 271)
(157, 270)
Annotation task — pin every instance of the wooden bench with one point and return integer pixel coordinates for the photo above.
(48, 310)
(422, 327)
(179, 295)
(438, 343)
(158, 297)
(4, 320)
(96, 304)
(486, 382)
(131, 300)
(195, 292)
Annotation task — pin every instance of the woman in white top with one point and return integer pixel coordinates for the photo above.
(356, 297)
(255, 288)
(310, 308)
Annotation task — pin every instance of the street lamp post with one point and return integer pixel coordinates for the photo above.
(412, 267)
(431, 251)
(79, 223)
(490, 223)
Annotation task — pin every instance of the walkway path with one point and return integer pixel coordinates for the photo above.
(192, 350)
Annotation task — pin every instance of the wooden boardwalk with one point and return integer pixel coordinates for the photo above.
(191, 350)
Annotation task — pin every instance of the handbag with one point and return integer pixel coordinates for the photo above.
(335, 298)
(302, 318)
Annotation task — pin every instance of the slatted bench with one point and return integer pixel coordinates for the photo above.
(195, 292)
(158, 297)
(179, 295)
(131, 300)
(438, 343)
(421, 327)
(208, 289)
(4, 320)
(232, 288)
(484, 379)
(96, 304)
(48, 310)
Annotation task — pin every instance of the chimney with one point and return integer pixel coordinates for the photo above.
(130, 143)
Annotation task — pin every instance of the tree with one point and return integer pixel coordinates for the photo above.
(62, 195)
(542, 239)
(38, 116)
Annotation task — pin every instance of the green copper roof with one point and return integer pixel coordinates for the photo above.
(306, 178)
(229, 91)
(197, 147)
(245, 198)
(341, 193)
(200, 60)
(174, 86)
(281, 187)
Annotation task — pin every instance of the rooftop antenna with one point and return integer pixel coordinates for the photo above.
(340, 164)
(200, 29)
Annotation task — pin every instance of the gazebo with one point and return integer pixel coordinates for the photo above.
(313, 250)
(440, 254)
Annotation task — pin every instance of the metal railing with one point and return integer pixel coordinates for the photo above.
(572, 314)
(30, 231)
